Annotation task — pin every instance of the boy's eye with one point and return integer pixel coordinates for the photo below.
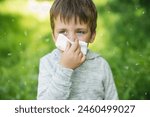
(63, 32)
(81, 32)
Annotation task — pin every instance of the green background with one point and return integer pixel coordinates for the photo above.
(123, 39)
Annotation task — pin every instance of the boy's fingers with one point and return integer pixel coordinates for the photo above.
(68, 46)
(83, 58)
(78, 51)
(75, 45)
(80, 55)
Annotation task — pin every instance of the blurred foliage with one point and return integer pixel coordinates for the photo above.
(122, 38)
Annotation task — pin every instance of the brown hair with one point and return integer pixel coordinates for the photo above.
(85, 10)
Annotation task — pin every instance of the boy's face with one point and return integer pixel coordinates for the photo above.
(73, 30)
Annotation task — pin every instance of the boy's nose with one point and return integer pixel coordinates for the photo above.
(72, 36)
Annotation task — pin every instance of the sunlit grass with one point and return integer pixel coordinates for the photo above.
(100, 2)
(26, 8)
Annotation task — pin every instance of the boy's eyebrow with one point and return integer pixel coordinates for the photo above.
(59, 29)
(81, 29)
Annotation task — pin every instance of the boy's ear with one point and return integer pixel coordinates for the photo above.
(92, 37)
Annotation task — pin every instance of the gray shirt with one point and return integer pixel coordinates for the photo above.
(92, 80)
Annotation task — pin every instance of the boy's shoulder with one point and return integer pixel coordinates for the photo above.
(93, 55)
(54, 55)
(98, 58)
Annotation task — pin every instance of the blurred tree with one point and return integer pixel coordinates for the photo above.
(127, 23)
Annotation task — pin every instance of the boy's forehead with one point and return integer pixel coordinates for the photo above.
(72, 20)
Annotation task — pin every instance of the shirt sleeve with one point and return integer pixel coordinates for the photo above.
(54, 81)
(109, 84)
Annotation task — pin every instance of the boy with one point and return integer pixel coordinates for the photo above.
(70, 74)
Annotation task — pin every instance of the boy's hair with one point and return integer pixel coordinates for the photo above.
(85, 10)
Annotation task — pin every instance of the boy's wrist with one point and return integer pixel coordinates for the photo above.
(65, 70)
(66, 66)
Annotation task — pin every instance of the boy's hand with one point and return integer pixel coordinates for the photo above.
(72, 57)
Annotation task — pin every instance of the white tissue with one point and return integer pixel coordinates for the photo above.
(61, 43)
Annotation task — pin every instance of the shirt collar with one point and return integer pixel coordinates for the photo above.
(91, 55)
